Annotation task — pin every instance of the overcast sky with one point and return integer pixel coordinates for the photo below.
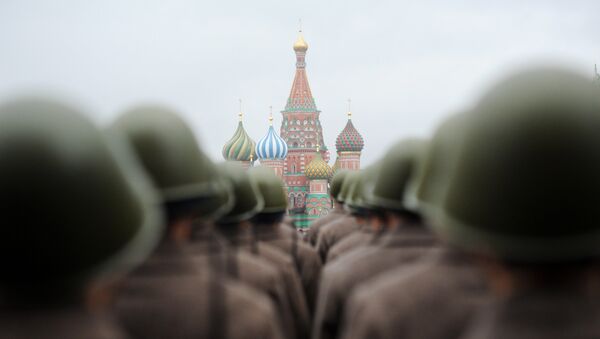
(405, 64)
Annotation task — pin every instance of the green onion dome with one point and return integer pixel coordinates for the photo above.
(240, 147)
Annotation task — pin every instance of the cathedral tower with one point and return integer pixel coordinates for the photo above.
(349, 145)
(301, 130)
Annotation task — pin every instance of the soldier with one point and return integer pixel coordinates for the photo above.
(170, 295)
(369, 227)
(208, 249)
(523, 198)
(267, 228)
(335, 230)
(405, 241)
(236, 227)
(77, 215)
(338, 208)
(436, 299)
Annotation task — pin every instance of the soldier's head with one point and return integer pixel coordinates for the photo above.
(395, 176)
(357, 201)
(346, 180)
(248, 200)
(433, 167)
(270, 187)
(75, 207)
(525, 185)
(336, 186)
(186, 178)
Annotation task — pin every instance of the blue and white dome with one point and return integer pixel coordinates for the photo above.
(271, 146)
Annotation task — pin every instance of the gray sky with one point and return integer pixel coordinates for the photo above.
(405, 64)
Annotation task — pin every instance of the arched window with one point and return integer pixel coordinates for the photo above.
(295, 144)
(292, 201)
(308, 145)
(293, 168)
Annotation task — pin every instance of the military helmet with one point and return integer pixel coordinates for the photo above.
(169, 151)
(348, 181)
(396, 173)
(526, 183)
(74, 204)
(362, 189)
(434, 165)
(271, 189)
(336, 183)
(248, 200)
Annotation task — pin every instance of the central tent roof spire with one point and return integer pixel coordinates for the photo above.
(300, 99)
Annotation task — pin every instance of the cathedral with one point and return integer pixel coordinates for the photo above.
(299, 154)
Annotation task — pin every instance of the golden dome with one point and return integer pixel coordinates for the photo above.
(318, 168)
(300, 45)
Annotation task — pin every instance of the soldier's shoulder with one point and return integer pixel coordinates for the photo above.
(274, 254)
(255, 324)
(339, 270)
(348, 245)
(260, 268)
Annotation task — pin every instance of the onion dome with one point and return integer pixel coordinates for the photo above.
(240, 147)
(349, 140)
(271, 146)
(318, 168)
(300, 45)
(336, 166)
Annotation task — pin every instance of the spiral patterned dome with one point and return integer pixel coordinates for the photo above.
(240, 147)
(349, 139)
(318, 168)
(271, 146)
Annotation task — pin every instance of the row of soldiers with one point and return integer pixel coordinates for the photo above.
(488, 230)
(131, 231)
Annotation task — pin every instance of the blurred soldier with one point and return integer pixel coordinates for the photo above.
(369, 227)
(208, 249)
(170, 296)
(267, 228)
(236, 227)
(405, 240)
(338, 208)
(437, 298)
(76, 215)
(524, 197)
(342, 226)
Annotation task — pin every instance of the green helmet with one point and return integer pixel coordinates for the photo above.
(248, 200)
(271, 189)
(396, 174)
(336, 183)
(361, 189)
(347, 183)
(74, 206)
(526, 183)
(434, 165)
(168, 149)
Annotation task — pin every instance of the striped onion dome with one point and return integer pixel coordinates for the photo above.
(271, 146)
(240, 147)
(318, 168)
(349, 139)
